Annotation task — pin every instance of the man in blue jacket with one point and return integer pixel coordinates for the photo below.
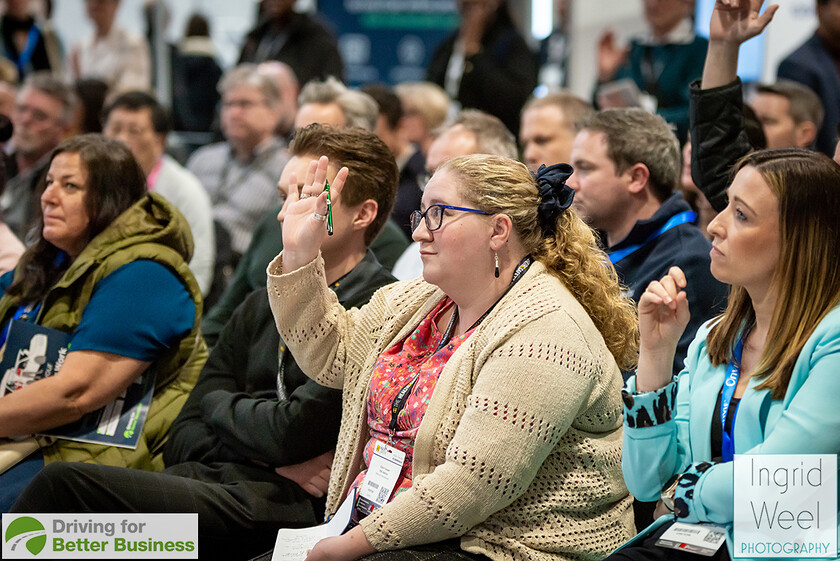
(627, 165)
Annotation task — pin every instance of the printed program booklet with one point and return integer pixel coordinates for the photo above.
(33, 352)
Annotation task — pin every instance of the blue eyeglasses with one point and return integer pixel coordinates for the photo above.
(434, 216)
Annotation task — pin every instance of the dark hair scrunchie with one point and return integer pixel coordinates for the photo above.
(555, 195)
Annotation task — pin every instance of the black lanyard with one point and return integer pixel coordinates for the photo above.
(402, 396)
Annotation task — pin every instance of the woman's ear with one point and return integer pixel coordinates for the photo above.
(502, 231)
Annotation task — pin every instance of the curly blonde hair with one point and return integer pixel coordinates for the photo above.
(503, 186)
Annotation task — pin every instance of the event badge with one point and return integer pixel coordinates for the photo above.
(380, 479)
(702, 539)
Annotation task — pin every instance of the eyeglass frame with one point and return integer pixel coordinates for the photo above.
(417, 215)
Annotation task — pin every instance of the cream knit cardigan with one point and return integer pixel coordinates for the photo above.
(519, 452)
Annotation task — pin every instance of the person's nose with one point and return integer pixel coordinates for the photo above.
(573, 181)
(715, 227)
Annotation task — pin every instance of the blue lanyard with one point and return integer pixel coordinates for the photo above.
(673, 222)
(733, 372)
(25, 56)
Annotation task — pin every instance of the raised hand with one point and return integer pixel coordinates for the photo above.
(304, 214)
(610, 56)
(663, 316)
(737, 21)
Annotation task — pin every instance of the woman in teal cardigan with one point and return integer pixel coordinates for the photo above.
(776, 244)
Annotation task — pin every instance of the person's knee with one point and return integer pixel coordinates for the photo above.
(44, 493)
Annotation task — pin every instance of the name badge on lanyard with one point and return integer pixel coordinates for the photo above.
(380, 479)
(702, 539)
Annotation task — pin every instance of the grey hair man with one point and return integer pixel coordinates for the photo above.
(240, 174)
(332, 103)
(42, 116)
(549, 126)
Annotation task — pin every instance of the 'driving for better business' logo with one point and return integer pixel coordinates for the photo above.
(27, 532)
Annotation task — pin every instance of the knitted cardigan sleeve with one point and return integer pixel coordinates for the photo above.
(314, 325)
(525, 396)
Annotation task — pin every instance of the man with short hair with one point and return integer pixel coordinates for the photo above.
(627, 165)
(252, 448)
(816, 64)
(287, 84)
(549, 126)
(790, 114)
(42, 116)
(114, 55)
(473, 132)
(330, 102)
(241, 173)
(141, 123)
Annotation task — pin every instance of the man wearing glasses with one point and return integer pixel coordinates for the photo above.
(241, 173)
(42, 115)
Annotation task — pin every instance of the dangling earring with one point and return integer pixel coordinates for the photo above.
(496, 257)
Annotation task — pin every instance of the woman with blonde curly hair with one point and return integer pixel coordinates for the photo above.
(492, 382)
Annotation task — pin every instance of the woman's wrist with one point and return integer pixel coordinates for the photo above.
(655, 369)
(292, 261)
(721, 66)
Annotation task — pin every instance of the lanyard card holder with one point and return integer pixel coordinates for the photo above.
(702, 539)
(380, 479)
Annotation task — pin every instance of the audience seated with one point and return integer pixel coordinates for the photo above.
(91, 94)
(627, 165)
(425, 109)
(410, 160)
(295, 38)
(289, 88)
(112, 54)
(141, 123)
(486, 64)
(106, 251)
(240, 174)
(23, 42)
(549, 126)
(815, 65)
(473, 132)
(11, 247)
(331, 103)
(250, 440)
(661, 64)
(41, 117)
(790, 113)
(195, 77)
(776, 341)
(508, 431)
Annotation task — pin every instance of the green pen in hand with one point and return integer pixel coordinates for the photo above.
(329, 208)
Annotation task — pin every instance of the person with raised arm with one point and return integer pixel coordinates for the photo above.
(492, 382)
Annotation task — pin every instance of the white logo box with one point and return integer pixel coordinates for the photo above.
(100, 536)
(785, 506)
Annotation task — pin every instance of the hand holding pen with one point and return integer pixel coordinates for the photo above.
(305, 211)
